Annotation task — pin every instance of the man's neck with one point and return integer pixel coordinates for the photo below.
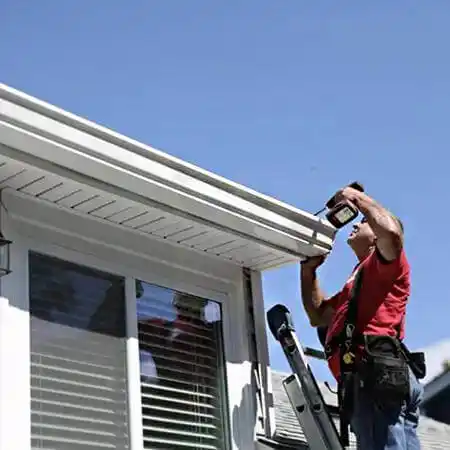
(363, 253)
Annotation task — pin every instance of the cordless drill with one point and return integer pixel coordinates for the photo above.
(340, 214)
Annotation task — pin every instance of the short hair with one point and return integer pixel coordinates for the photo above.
(399, 222)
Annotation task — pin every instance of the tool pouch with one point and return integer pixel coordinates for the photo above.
(417, 364)
(416, 361)
(384, 372)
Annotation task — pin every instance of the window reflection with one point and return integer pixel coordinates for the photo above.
(76, 296)
(78, 372)
(180, 340)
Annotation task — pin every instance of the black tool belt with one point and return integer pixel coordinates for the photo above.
(415, 360)
(379, 371)
(383, 372)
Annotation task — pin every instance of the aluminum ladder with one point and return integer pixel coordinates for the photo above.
(301, 387)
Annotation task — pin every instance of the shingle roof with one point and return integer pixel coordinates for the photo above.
(433, 435)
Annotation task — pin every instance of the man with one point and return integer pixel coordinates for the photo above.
(381, 305)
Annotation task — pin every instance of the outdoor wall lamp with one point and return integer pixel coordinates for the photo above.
(5, 261)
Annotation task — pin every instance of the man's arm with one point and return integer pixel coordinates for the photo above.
(313, 298)
(386, 227)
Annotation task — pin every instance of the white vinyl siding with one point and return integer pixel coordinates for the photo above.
(182, 370)
(78, 359)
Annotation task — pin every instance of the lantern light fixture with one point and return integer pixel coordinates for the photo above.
(5, 253)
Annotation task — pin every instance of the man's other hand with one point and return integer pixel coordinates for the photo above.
(313, 262)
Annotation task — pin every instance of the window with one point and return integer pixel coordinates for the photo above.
(182, 370)
(78, 362)
(78, 359)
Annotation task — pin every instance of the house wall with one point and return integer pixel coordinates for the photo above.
(35, 225)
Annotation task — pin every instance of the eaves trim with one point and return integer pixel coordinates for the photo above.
(77, 145)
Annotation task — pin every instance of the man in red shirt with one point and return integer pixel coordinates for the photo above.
(377, 242)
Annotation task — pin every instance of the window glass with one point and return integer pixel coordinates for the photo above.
(78, 357)
(182, 369)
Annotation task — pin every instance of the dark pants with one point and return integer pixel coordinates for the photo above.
(394, 429)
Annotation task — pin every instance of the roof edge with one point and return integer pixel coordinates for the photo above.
(269, 203)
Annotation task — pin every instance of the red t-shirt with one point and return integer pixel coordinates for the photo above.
(381, 302)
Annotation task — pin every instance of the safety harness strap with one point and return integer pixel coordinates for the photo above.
(348, 333)
(348, 342)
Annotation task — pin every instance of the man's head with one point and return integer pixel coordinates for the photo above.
(362, 238)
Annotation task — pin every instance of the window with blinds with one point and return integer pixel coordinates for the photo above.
(182, 370)
(78, 359)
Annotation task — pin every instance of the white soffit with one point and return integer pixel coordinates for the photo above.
(57, 157)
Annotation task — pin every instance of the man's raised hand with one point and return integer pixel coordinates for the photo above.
(313, 262)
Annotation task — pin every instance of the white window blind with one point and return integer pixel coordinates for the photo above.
(182, 370)
(78, 344)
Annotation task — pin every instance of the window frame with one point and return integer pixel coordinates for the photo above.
(46, 238)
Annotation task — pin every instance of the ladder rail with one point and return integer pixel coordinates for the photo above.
(305, 416)
(302, 388)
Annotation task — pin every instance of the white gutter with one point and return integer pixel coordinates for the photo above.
(50, 135)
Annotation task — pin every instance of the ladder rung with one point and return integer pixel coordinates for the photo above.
(319, 354)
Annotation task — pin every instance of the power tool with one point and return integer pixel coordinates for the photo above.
(340, 214)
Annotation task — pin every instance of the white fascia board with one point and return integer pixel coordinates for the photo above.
(61, 139)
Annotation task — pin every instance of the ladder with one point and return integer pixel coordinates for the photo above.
(301, 386)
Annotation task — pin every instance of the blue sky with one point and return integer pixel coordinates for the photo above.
(293, 99)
